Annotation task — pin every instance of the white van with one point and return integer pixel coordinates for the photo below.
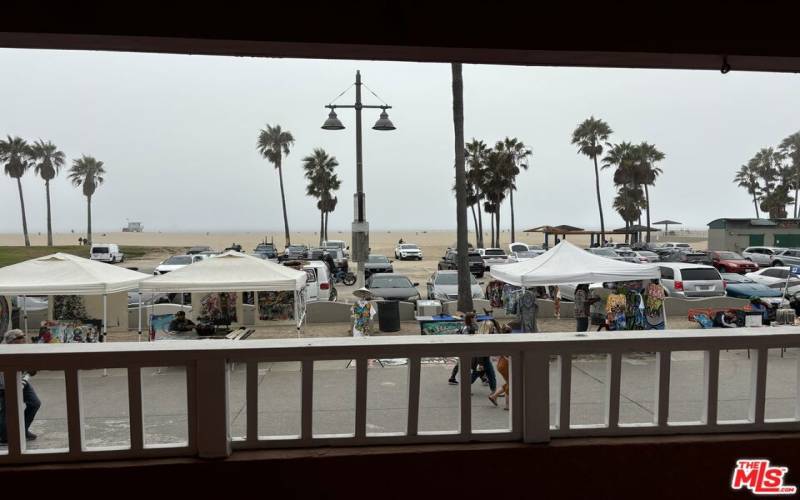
(318, 283)
(337, 244)
(106, 252)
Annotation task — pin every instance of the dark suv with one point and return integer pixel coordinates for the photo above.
(476, 265)
(266, 250)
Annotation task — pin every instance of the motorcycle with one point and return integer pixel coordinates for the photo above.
(346, 277)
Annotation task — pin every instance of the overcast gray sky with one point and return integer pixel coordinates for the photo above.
(177, 134)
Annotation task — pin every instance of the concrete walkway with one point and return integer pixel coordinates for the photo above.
(105, 403)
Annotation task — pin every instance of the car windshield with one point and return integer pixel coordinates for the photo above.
(452, 279)
(729, 255)
(625, 253)
(683, 245)
(605, 252)
(495, 251)
(178, 260)
(475, 257)
(527, 254)
(100, 250)
(390, 282)
(519, 248)
(377, 259)
(409, 247)
(700, 274)
(296, 248)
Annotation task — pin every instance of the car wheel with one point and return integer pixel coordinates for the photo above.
(777, 263)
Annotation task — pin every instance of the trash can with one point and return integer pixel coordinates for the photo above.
(389, 315)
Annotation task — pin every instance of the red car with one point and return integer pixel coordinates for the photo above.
(732, 262)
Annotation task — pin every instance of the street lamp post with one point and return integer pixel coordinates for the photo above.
(360, 228)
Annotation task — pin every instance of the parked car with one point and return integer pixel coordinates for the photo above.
(627, 255)
(786, 257)
(443, 285)
(770, 275)
(761, 255)
(266, 250)
(684, 246)
(377, 264)
(314, 253)
(318, 283)
(449, 262)
(526, 255)
(742, 287)
(337, 244)
(521, 247)
(198, 249)
(689, 280)
(177, 262)
(407, 251)
(607, 252)
(392, 286)
(295, 252)
(732, 262)
(688, 256)
(106, 252)
(646, 256)
(492, 256)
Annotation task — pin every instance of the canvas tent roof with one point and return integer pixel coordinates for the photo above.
(65, 274)
(567, 264)
(229, 272)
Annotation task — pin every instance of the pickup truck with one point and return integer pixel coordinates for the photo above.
(476, 265)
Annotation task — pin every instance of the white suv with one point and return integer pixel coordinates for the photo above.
(761, 255)
(407, 251)
(688, 280)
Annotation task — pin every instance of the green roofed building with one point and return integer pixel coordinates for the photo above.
(738, 234)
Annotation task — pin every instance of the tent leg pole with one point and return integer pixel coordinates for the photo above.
(105, 323)
(139, 339)
(25, 315)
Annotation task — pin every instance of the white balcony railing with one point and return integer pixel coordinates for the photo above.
(208, 363)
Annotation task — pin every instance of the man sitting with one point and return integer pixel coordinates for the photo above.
(180, 323)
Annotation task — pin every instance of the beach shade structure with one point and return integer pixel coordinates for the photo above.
(65, 274)
(666, 223)
(233, 272)
(568, 264)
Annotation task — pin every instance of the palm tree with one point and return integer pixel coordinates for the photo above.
(475, 155)
(768, 165)
(747, 177)
(48, 161)
(790, 147)
(322, 181)
(629, 203)
(590, 136)
(648, 155)
(519, 154)
(273, 144)
(464, 278)
(15, 154)
(497, 181)
(88, 173)
(329, 206)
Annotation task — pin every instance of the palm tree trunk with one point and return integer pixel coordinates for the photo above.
(755, 204)
(511, 199)
(24, 219)
(491, 217)
(639, 232)
(283, 201)
(647, 202)
(326, 225)
(475, 221)
(795, 201)
(480, 224)
(49, 218)
(464, 278)
(89, 219)
(599, 203)
(321, 226)
(497, 226)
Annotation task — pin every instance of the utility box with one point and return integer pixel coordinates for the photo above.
(429, 308)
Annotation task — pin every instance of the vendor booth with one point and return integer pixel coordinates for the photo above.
(85, 298)
(235, 289)
(629, 295)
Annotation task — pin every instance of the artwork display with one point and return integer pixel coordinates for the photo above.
(218, 308)
(274, 306)
(69, 307)
(159, 326)
(633, 305)
(441, 327)
(64, 332)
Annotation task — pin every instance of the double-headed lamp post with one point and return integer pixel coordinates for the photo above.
(360, 229)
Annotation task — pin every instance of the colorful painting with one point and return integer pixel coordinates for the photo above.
(68, 307)
(64, 332)
(441, 327)
(218, 308)
(159, 326)
(274, 306)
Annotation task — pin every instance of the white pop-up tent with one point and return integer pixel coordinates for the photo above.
(65, 274)
(233, 272)
(568, 264)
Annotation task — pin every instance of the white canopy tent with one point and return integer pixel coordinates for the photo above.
(232, 272)
(65, 274)
(568, 264)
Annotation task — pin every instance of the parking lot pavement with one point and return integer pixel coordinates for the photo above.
(105, 399)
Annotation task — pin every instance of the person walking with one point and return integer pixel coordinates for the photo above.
(582, 308)
(502, 368)
(469, 328)
(29, 396)
(555, 294)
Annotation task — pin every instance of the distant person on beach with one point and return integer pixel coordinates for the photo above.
(400, 242)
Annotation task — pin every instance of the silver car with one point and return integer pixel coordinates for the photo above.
(761, 255)
(688, 280)
(627, 255)
(606, 252)
(443, 285)
(786, 257)
(392, 286)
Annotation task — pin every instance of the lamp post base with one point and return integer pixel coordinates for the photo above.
(360, 249)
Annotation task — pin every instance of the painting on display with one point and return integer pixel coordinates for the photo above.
(441, 327)
(159, 326)
(275, 305)
(68, 307)
(65, 332)
(218, 308)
